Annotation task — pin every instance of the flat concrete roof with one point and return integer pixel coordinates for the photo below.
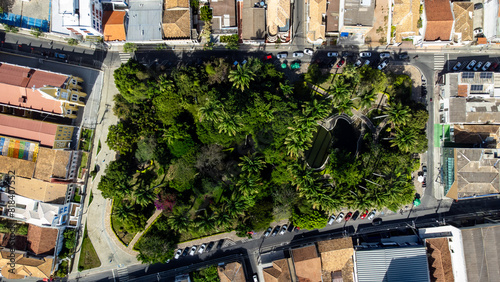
(145, 20)
(357, 14)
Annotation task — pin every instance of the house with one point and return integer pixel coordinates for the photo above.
(145, 20)
(405, 18)
(332, 18)
(439, 20)
(114, 26)
(278, 19)
(337, 257)
(470, 97)
(358, 18)
(231, 272)
(478, 135)
(278, 272)
(307, 264)
(25, 266)
(51, 193)
(82, 19)
(224, 21)
(176, 20)
(316, 21)
(26, 91)
(463, 12)
(47, 134)
(253, 22)
(470, 172)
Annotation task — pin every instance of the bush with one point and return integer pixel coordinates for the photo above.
(206, 14)
(310, 221)
(62, 271)
(10, 28)
(72, 41)
(129, 47)
(36, 32)
(231, 40)
(419, 23)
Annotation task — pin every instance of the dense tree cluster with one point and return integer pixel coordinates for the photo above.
(221, 148)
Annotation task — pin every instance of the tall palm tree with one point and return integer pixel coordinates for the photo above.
(212, 111)
(249, 185)
(229, 125)
(366, 100)
(398, 114)
(316, 109)
(286, 88)
(406, 139)
(143, 196)
(205, 221)
(252, 165)
(241, 77)
(123, 211)
(339, 93)
(179, 220)
(345, 107)
(298, 140)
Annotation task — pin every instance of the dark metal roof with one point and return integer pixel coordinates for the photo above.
(482, 249)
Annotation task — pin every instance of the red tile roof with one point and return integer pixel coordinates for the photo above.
(42, 241)
(28, 129)
(114, 28)
(439, 20)
(463, 90)
(18, 76)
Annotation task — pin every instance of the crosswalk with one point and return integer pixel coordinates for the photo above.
(439, 61)
(122, 274)
(124, 57)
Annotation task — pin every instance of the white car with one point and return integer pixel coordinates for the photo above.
(202, 248)
(358, 63)
(283, 229)
(365, 54)
(332, 54)
(478, 65)
(371, 215)
(178, 254)
(282, 55)
(298, 54)
(471, 65)
(382, 65)
(331, 220)
(192, 251)
(309, 51)
(255, 279)
(367, 62)
(457, 66)
(486, 66)
(478, 31)
(340, 217)
(385, 55)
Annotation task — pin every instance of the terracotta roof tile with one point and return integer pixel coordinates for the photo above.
(440, 265)
(29, 129)
(176, 24)
(463, 90)
(231, 272)
(34, 267)
(52, 164)
(20, 241)
(279, 272)
(307, 264)
(463, 19)
(439, 20)
(54, 193)
(23, 168)
(114, 28)
(42, 241)
(224, 7)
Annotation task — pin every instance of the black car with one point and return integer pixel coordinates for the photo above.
(268, 232)
(210, 246)
(478, 6)
(404, 57)
(355, 215)
(219, 245)
(377, 221)
(276, 230)
(331, 64)
(186, 251)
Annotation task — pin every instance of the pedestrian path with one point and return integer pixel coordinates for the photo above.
(122, 274)
(439, 61)
(124, 57)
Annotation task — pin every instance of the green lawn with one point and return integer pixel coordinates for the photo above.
(77, 197)
(88, 255)
(83, 163)
(120, 230)
(86, 139)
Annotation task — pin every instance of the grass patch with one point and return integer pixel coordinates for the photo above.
(62, 271)
(98, 147)
(83, 163)
(88, 255)
(120, 230)
(208, 274)
(76, 196)
(86, 139)
(91, 197)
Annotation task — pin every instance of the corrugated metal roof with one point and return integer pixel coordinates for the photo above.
(392, 264)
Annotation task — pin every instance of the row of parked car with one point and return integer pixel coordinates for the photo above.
(279, 230)
(476, 66)
(203, 248)
(351, 216)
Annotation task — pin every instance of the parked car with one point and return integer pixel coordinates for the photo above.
(486, 66)
(355, 215)
(477, 66)
(404, 56)
(340, 216)
(332, 54)
(331, 64)
(385, 55)
(358, 63)
(341, 63)
(478, 6)
(371, 215)
(60, 56)
(276, 230)
(178, 254)
(478, 31)
(365, 54)
(193, 250)
(471, 65)
(367, 62)
(298, 54)
(255, 279)
(363, 215)
(283, 229)
(424, 170)
(457, 66)
(220, 243)
(493, 67)
(348, 216)
(185, 252)
(282, 55)
(309, 51)
(210, 246)
(268, 57)
(382, 65)
(268, 232)
(377, 221)
(202, 248)
(331, 220)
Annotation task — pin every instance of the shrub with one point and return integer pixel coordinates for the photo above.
(36, 32)
(206, 14)
(129, 47)
(10, 28)
(419, 23)
(72, 41)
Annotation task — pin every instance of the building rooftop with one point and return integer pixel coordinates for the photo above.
(405, 17)
(29, 129)
(441, 269)
(224, 13)
(52, 164)
(332, 16)
(475, 134)
(253, 21)
(24, 266)
(336, 255)
(278, 16)
(145, 20)
(22, 168)
(20, 244)
(114, 25)
(47, 192)
(392, 264)
(42, 240)
(482, 246)
(359, 12)
(176, 20)
(307, 264)
(316, 27)
(463, 19)
(279, 272)
(439, 20)
(231, 272)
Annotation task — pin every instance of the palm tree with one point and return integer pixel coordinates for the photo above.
(252, 165)
(398, 114)
(222, 220)
(366, 100)
(179, 220)
(339, 93)
(298, 140)
(286, 88)
(124, 190)
(212, 111)
(143, 196)
(123, 211)
(345, 107)
(316, 110)
(248, 185)
(229, 125)
(241, 77)
(205, 222)
(406, 139)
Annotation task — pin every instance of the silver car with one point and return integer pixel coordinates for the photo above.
(385, 55)
(298, 54)
(471, 65)
(365, 54)
(282, 55)
(309, 51)
(478, 65)
(332, 54)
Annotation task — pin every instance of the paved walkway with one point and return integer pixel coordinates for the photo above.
(150, 221)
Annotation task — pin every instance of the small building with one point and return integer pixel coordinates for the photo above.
(405, 18)
(439, 21)
(463, 12)
(307, 264)
(337, 259)
(279, 21)
(145, 20)
(82, 19)
(358, 18)
(176, 22)
(332, 17)
(278, 272)
(114, 26)
(316, 24)
(224, 20)
(231, 272)
(476, 135)
(253, 23)
(24, 91)
(25, 266)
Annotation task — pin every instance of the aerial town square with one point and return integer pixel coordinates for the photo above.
(239, 140)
